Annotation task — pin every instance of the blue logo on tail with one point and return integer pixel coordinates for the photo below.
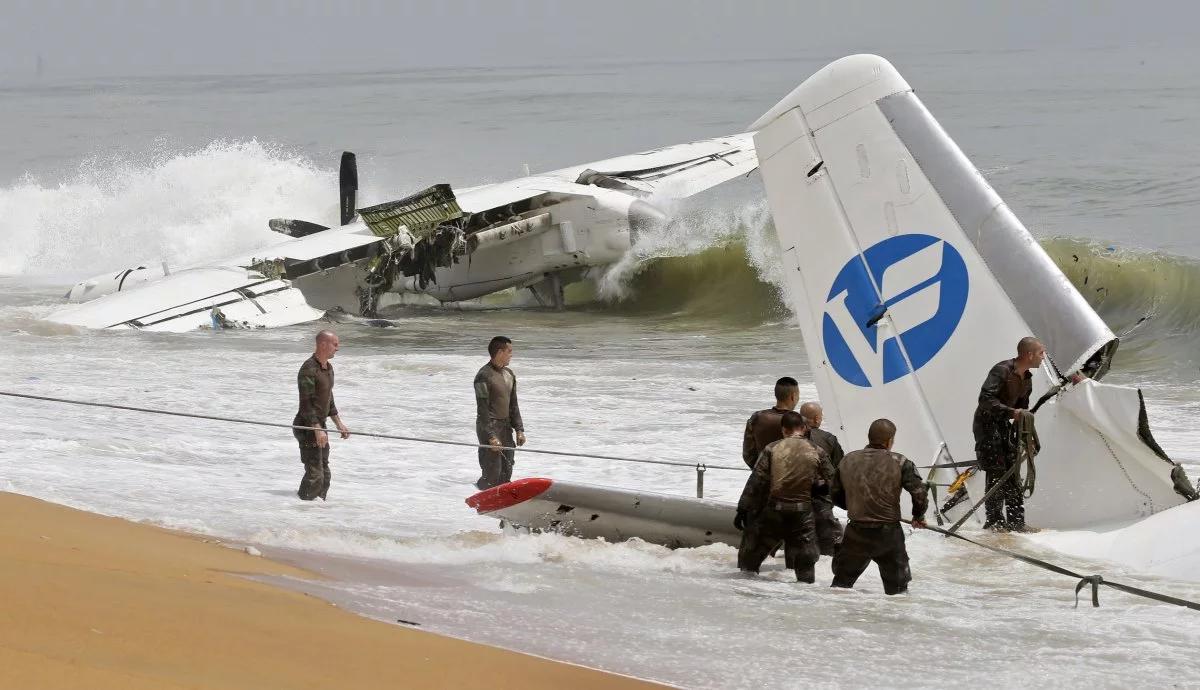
(924, 293)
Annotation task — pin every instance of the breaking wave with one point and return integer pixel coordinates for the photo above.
(717, 265)
(178, 206)
(1150, 299)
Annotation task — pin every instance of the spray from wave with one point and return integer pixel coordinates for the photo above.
(179, 206)
(716, 265)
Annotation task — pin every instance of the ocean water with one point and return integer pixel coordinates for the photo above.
(663, 357)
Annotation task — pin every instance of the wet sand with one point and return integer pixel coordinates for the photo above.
(98, 602)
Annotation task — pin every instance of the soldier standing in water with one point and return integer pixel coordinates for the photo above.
(497, 415)
(315, 383)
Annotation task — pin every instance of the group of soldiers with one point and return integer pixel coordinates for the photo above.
(798, 470)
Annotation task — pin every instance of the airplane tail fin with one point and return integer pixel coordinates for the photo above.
(910, 278)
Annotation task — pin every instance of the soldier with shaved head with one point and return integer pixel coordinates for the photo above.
(1003, 398)
(829, 528)
(315, 382)
(867, 484)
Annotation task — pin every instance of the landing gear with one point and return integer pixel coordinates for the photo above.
(549, 292)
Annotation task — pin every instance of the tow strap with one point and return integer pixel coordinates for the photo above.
(1084, 580)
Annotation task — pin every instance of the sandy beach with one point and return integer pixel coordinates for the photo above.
(98, 602)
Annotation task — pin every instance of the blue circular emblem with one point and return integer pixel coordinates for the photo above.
(920, 282)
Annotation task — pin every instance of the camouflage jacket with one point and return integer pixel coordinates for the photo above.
(496, 401)
(785, 471)
(829, 443)
(1002, 392)
(868, 484)
(316, 393)
(762, 428)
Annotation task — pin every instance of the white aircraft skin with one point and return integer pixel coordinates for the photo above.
(582, 232)
(539, 231)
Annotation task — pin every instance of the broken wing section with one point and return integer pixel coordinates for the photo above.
(248, 291)
(196, 298)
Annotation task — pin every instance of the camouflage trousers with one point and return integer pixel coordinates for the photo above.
(1006, 507)
(315, 482)
(794, 527)
(863, 543)
(829, 528)
(495, 466)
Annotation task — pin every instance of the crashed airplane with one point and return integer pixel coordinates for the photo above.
(909, 278)
(539, 232)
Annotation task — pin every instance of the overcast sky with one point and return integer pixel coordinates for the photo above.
(139, 37)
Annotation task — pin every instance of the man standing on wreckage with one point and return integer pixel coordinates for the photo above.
(1003, 408)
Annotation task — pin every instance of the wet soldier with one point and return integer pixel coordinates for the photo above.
(867, 484)
(829, 528)
(497, 415)
(763, 426)
(315, 383)
(778, 495)
(1003, 398)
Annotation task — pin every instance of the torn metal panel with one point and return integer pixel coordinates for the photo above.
(420, 213)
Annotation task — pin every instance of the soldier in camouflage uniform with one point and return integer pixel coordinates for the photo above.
(497, 415)
(1003, 397)
(829, 528)
(779, 496)
(315, 384)
(868, 484)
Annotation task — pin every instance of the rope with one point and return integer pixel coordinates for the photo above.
(1028, 446)
(394, 437)
(1084, 580)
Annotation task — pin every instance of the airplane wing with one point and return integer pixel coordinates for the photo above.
(676, 171)
(248, 291)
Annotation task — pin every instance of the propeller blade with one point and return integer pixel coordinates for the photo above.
(294, 228)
